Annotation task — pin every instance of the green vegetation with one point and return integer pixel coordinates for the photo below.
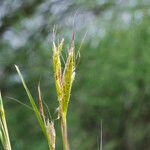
(63, 86)
(113, 78)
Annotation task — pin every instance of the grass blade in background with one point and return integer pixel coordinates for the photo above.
(4, 136)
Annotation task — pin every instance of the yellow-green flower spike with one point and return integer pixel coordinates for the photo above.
(68, 76)
(63, 83)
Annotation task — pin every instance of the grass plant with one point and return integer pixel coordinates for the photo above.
(64, 78)
(63, 81)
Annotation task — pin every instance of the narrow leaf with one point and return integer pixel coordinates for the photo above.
(32, 103)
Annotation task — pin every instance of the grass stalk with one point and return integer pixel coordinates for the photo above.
(64, 133)
(63, 82)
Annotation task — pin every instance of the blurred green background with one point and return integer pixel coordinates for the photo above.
(112, 80)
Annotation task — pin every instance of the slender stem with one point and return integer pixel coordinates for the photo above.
(64, 133)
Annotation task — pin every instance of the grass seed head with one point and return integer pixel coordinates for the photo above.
(63, 81)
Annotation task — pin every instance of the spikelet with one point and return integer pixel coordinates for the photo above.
(57, 69)
(68, 76)
(51, 134)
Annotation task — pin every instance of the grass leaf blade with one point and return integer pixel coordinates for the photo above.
(4, 136)
(32, 103)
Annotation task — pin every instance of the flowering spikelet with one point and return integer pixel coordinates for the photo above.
(68, 76)
(57, 68)
(51, 134)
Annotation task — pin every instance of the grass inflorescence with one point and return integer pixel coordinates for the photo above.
(64, 78)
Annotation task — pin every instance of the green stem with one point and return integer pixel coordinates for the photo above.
(64, 133)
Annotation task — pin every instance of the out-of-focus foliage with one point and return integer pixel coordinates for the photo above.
(113, 77)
